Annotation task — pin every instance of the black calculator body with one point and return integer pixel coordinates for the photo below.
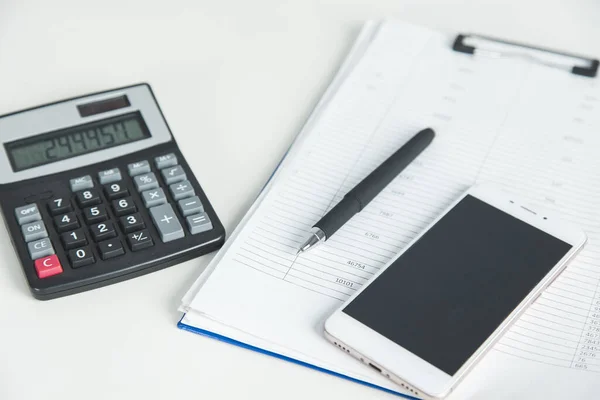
(94, 190)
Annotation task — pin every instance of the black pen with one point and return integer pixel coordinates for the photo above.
(362, 194)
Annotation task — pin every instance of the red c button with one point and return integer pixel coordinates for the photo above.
(48, 266)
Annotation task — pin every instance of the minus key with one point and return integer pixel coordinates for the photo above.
(190, 205)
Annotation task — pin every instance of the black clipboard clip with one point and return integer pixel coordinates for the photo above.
(496, 48)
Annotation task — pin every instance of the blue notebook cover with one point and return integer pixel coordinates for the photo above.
(226, 339)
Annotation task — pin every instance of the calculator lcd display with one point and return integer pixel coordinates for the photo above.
(74, 141)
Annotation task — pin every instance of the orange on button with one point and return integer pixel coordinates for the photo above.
(48, 266)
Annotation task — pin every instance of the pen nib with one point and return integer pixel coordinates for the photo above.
(316, 237)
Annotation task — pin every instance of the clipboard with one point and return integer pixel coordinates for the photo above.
(486, 46)
(204, 300)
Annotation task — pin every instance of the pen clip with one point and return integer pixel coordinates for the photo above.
(490, 47)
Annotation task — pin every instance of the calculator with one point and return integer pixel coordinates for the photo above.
(94, 190)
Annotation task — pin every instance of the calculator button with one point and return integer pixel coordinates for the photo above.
(166, 222)
(198, 223)
(81, 183)
(81, 257)
(34, 231)
(124, 206)
(95, 214)
(154, 197)
(145, 182)
(137, 168)
(103, 230)
(132, 223)
(48, 266)
(88, 198)
(181, 190)
(190, 206)
(168, 160)
(73, 239)
(59, 205)
(40, 248)
(173, 174)
(66, 222)
(139, 240)
(28, 213)
(115, 190)
(110, 248)
(109, 176)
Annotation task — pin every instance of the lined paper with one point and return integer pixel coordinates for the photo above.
(526, 127)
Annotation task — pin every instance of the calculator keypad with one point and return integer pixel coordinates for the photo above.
(110, 248)
(190, 206)
(137, 168)
(109, 176)
(81, 257)
(73, 239)
(81, 183)
(95, 214)
(48, 266)
(124, 206)
(173, 174)
(115, 190)
(40, 248)
(34, 231)
(132, 223)
(145, 182)
(87, 198)
(28, 213)
(154, 197)
(59, 205)
(103, 230)
(167, 160)
(198, 223)
(104, 219)
(166, 222)
(66, 222)
(139, 240)
(182, 190)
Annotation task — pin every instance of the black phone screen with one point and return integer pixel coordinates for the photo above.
(446, 294)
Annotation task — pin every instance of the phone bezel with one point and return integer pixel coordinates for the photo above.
(399, 364)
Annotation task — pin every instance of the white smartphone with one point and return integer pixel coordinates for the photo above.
(427, 317)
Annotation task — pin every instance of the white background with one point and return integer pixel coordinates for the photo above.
(236, 80)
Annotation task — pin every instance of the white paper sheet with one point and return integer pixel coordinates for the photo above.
(528, 127)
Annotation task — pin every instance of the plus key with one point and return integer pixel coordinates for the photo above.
(166, 222)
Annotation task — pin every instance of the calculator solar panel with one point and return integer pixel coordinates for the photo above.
(99, 193)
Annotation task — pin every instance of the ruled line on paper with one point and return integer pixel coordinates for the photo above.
(492, 125)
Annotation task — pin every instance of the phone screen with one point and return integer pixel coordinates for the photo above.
(444, 296)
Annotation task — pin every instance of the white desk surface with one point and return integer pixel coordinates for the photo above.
(235, 79)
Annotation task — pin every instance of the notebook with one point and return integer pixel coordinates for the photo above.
(528, 127)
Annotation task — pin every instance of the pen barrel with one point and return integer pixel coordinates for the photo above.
(362, 194)
(377, 180)
(338, 216)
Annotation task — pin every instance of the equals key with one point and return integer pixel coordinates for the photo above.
(199, 223)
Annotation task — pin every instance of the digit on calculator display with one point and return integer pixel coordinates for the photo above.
(74, 141)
